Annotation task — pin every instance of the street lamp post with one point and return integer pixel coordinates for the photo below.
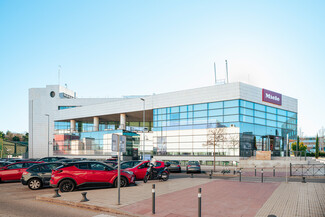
(143, 123)
(48, 134)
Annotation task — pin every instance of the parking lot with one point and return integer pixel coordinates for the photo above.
(17, 200)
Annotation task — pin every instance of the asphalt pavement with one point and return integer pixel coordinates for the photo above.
(17, 200)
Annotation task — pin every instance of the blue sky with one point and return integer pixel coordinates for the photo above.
(116, 48)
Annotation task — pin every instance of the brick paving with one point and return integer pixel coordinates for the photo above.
(294, 200)
(219, 198)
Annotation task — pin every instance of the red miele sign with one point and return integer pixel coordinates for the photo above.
(271, 97)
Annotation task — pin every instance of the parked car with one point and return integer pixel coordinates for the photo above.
(175, 166)
(111, 163)
(69, 160)
(39, 175)
(14, 171)
(129, 164)
(140, 170)
(88, 173)
(50, 159)
(16, 160)
(193, 166)
(4, 163)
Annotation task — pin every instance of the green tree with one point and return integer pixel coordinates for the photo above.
(298, 142)
(25, 137)
(301, 147)
(15, 138)
(2, 135)
(317, 147)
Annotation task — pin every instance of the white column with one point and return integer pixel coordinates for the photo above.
(96, 123)
(72, 126)
(122, 121)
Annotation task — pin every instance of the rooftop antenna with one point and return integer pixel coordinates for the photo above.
(227, 71)
(215, 73)
(59, 71)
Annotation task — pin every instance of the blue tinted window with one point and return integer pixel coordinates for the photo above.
(260, 107)
(199, 114)
(155, 118)
(173, 123)
(271, 110)
(183, 115)
(259, 121)
(200, 120)
(190, 107)
(155, 124)
(292, 115)
(174, 116)
(282, 119)
(216, 105)
(231, 103)
(259, 114)
(270, 116)
(247, 128)
(202, 106)
(271, 123)
(190, 115)
(183, 108)
(215, 112)
(229, 111)
(246, 111)
(245, 118)
(174, 109)
(260, 130)
(213, 120)
(281, 125)
(231, 118)
(246, 104)
(183, 122)
(282, 112)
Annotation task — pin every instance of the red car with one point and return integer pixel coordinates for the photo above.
(140, 170)
(92, 173)
(13, 172)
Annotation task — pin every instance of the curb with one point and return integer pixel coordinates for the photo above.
(87, 206)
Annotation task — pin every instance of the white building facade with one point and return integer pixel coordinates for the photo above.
(230, 120)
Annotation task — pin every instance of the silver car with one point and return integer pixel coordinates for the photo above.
(175, 166)
(193, 167)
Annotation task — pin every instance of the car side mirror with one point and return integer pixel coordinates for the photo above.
(106, 169)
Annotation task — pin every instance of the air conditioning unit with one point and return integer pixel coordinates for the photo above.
(232, 125)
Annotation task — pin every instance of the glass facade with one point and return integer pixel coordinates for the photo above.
(245, 126)
(228, 128)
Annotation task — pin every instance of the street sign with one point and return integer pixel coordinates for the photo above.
(118, 139)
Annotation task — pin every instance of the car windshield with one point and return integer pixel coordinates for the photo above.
(193, 163)
(174, 162)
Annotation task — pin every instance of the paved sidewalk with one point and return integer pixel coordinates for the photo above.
(219, 198)
(296, 199)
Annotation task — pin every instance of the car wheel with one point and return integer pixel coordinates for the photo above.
(164, 176)
(67, 185)
(124, 182)
(34, 184)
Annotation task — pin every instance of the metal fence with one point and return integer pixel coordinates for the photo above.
(307, 169)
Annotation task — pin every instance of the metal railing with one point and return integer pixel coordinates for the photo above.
(307, 169)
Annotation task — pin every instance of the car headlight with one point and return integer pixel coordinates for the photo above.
(128, 172)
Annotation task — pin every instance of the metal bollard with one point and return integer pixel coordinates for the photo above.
(262, 176)
(255, 170)
(303, 179)
(199, 202)
(273, 171)
(192, 175)
(56, 194)
(84, 197)
(153, 198)
(210, 175)
(240, 175)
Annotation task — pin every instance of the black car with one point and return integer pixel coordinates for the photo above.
(50, 159)
(175, 166)
(193, 166)
(39, 175)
